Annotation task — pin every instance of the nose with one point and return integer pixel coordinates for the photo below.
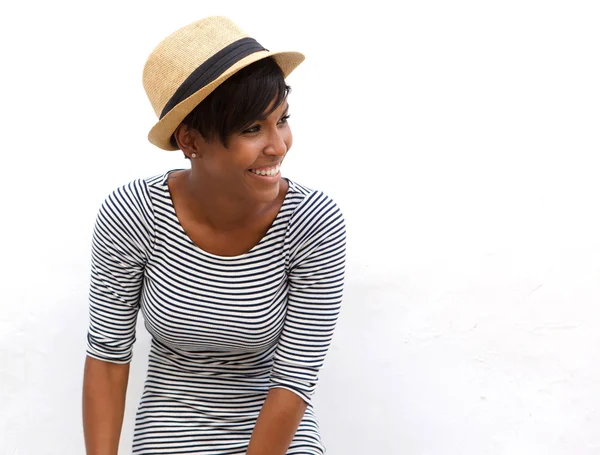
(277, 143)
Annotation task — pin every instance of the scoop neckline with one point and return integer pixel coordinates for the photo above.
(182, 231)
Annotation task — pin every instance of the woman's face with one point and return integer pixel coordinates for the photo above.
(249, 167)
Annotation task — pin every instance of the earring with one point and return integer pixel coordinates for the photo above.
(194, 155)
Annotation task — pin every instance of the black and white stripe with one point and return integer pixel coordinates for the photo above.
(224, 329)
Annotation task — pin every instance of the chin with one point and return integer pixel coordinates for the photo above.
(267, 195)
(265, 189)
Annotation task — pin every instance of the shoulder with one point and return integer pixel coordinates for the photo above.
(315, 215)
(131, 204)
(312, 203)
(125, 221)
(131, 198)
(135, 196)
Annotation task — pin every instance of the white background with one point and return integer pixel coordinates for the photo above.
(461, 140)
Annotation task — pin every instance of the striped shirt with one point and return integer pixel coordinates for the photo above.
(225, 329)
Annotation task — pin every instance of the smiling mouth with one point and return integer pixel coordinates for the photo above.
(267, 171)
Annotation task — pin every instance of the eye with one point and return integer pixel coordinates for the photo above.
(256, 128)
(252, 129)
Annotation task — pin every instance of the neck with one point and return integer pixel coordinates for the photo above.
(212, 203)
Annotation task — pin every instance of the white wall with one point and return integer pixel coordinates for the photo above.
(461, 139)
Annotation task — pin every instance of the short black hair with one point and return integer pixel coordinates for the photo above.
(239, 101)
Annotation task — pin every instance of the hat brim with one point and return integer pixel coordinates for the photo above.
(160, 134)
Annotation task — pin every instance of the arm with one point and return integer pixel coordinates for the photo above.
(317, 245)
(104, 387)
(120, 248)
(277, 423)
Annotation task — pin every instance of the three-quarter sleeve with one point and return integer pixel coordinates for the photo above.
(317, 246)
(122, 242)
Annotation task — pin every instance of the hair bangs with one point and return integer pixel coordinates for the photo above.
(250, 95)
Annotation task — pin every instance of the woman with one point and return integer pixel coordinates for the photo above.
(237, 271)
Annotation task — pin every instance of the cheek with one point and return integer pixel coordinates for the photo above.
(242, 156)
(288, 139)
(223, 163)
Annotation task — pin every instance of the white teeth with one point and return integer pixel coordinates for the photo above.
(270, 172)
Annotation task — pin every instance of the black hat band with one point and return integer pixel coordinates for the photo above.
(212, 69)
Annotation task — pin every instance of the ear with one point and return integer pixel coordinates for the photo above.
(188, 139)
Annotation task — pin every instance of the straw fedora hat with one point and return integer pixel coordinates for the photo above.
(191, 63)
